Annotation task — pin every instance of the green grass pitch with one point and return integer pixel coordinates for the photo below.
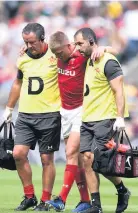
(11, 191)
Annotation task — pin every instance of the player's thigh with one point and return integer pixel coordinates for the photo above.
(103, 132)
(73, 144)
(76, 120)
(86, 139)
(24, 134)
(49, 133)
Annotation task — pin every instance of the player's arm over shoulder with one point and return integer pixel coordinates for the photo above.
(100, 51)
(109, 49)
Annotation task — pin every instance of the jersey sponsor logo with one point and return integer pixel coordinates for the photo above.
(39, 89)
(66, 72)
(87, 91)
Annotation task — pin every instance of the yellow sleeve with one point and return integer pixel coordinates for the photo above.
(19, 63)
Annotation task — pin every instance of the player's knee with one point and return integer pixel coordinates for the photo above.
(72, 154)
(19, 155)
(47, 160)
(46, 163)
(87, 159)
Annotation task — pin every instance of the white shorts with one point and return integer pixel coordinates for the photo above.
(70, 120)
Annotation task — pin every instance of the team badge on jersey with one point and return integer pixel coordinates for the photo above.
(97, 69)
(52, 60)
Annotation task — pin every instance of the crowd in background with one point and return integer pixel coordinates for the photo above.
(115, 24)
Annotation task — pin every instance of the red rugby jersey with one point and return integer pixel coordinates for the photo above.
(71, 80)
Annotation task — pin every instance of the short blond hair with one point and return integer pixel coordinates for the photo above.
(58, 40)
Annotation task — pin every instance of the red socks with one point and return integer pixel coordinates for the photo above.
(45, 196)
(29, 191)
(82, 185)
(72, 172)
(69, 177)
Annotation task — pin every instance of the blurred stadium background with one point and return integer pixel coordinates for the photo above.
(115, 24)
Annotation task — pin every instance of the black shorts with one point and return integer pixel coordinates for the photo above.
(42, 128)
(95, 134)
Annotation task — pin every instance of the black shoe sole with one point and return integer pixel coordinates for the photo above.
(25, 209)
